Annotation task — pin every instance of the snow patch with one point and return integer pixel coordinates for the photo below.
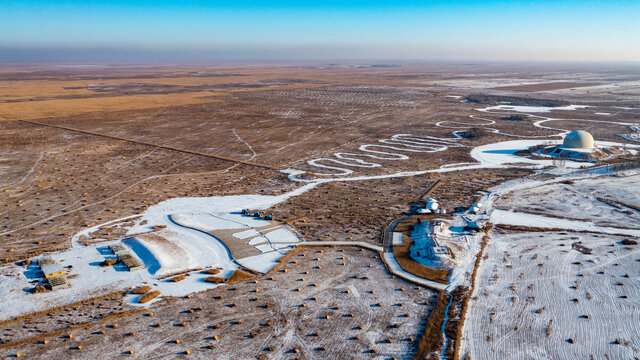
(263, 262)
(540, 221)
(532, 109)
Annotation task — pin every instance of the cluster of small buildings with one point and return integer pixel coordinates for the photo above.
(257, 214)
(429, 241)
(126, 258)
(431, 207)
(476, 223)
(53, 272)
(475, 208)
(438, 229)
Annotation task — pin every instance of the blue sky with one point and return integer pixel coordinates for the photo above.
(324, 30)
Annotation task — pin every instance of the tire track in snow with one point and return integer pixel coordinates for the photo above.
(26, 176)
(543, 119)
(388, 149)
(246, 143)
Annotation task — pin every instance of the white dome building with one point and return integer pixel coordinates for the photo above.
(578, 139)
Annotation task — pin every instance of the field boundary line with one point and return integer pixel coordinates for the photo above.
(165, 147)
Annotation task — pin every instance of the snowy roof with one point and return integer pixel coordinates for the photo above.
(46, 261)
(432, 205)
(58, 282)
(440, 250)
(130, 262)
(51, 268)
(578, 139)
(118, 249)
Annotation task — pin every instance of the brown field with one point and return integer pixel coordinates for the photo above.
(28, 110)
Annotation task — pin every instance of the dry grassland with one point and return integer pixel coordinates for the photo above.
(64, 107)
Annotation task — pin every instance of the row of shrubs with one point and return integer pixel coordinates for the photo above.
(514, 100)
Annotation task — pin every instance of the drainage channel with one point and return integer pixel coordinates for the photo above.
(444, 324)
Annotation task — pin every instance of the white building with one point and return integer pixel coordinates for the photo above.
(578, 139)
(431, 207)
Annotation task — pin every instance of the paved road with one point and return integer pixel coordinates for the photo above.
(395, 268)
(387, 234)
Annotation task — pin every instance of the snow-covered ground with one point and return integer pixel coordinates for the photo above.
(541, 221)
(591, 196)
(181, 244)
(211, 221)
(541, 295)
(534, 281)
(503, 154)
(263, 262)
(394, 148)
(421, 250)
(188, 222)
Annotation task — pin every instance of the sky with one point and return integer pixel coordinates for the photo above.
(200, 31)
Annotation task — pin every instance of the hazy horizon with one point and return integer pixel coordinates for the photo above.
(201, 31)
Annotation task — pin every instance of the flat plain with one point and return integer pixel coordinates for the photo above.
(332, 153)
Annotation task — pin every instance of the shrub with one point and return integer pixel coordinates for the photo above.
(474, 133)
(513, 118)
(149, 296)
(141, 290)
(108, 262)
(178, 278)
(514, 100)
(239, 275)
(214, 279)
(432, 340)
(39, 289)
(211, 271)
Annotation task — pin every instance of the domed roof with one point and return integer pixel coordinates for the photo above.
(578, 139)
